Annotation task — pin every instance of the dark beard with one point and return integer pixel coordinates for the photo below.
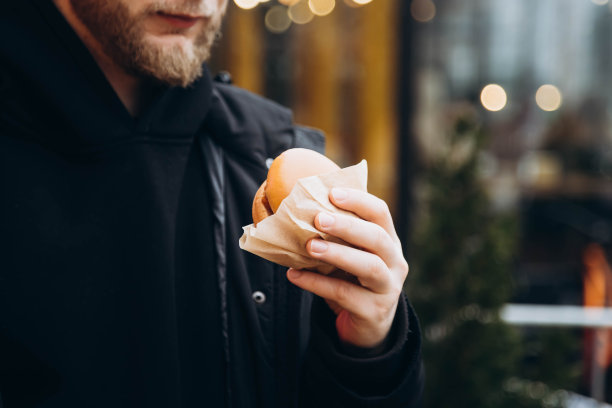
(122, 38)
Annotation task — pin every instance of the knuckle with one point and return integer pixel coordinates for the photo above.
(381, 311)
(348, 225)
(396, 292)
(404, 268)
(381, 238)
(374, 269)
(372, 314)
(341, 292)
(382, 207)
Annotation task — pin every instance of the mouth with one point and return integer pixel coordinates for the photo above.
(181, 21)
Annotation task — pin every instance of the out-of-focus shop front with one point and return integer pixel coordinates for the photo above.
(486, 126)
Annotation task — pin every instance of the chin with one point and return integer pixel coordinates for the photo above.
(170, 41)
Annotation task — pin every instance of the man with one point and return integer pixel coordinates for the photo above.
(126, 174)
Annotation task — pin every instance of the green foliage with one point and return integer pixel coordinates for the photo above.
(553, 354)
(461, 276)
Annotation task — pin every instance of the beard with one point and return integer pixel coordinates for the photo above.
(123, 38)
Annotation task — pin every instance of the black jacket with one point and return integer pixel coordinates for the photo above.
(121, 280)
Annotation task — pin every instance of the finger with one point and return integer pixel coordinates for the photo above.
(366, 206)
(360, 233)
(368, 268)
(353, 298)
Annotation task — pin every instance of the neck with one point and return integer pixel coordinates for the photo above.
(129, 88)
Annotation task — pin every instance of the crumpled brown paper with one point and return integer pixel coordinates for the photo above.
(282, 237)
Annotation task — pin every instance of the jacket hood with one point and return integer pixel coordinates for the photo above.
(47, 75)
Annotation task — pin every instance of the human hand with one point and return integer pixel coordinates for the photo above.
(366, 299)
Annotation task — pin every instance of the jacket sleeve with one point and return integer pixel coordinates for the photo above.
(333, 376)
(336, 377)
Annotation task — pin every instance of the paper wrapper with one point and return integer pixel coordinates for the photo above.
(282, 237)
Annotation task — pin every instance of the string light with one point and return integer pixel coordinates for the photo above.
(423, 10)
(548, 98)
(277, 19)
(321, 7)
(300, 12)
(246, 4)
(493, 97)
(356, 3)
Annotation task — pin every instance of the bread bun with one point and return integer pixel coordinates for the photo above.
(286, 169)
(261, 207)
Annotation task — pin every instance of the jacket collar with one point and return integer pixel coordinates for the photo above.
(248, 125)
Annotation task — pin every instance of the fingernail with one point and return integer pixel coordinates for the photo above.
(294, 273)
(326, 220)
(317, 246)
(339, 194)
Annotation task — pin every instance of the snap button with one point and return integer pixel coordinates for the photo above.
(259, 297)
(269, 161)
(223, 77)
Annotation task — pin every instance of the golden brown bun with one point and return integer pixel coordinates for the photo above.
(290, 166)
(261, 209)
(286, 169)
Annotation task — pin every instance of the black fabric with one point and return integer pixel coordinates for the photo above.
(359, 381)
(110, 290)
(100, 305)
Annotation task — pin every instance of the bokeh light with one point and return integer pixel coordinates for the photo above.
(548, 97)
(540, 169)
(277, 19)
(600, 2)
(423, 10)
(356, 3)
(288, 2)
(493, 97)
(300, 12)
(321, 7)
(246, 4)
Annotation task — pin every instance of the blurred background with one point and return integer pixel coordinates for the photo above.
(486, 127)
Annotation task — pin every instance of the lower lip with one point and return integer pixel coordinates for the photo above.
(179, 22)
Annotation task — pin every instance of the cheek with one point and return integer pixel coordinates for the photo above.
(218, 5)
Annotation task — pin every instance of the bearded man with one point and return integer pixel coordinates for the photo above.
(126, 174)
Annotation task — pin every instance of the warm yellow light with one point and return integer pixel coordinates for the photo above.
(300, 13)
(493, 97)
(548, 97)
(321, 7)
(423, 10)
(246, 4)
(362, 2)
(277, 19)
(288, 2)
